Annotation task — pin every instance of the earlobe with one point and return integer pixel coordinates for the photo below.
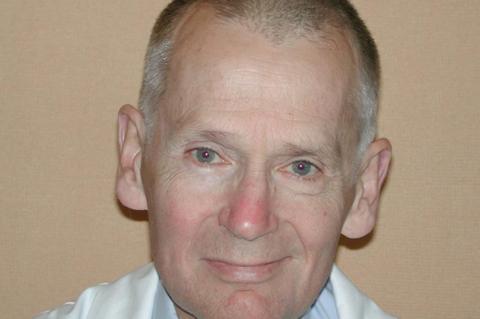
(129, 185)
(363, 214)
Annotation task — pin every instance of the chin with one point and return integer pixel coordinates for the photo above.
(248, 303)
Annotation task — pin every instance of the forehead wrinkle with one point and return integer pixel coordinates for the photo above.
(229, 59)
(248, 76)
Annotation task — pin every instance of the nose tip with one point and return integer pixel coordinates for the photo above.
(249, 215)
(248, 225)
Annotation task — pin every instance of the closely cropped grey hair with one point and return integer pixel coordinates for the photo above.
(276, 19)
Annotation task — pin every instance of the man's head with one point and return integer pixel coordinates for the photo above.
(249, 163)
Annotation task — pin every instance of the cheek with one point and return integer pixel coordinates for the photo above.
(179, 211)
(189, 199)
(316, 219)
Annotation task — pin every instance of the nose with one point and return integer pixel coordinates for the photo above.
(248, 215)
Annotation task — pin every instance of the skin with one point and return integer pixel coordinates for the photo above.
(246, 186)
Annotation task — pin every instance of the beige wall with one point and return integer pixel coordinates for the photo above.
(66, 67)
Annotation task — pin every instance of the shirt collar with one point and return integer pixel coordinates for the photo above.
(163, 307)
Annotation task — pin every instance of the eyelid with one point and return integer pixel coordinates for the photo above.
(316, 165)
(222, 159)
(310, 177)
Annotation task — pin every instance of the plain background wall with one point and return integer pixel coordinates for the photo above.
(67, 66)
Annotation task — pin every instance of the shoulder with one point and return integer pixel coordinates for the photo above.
(131, 296)
(351, 302)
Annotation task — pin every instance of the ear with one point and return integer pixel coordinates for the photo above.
(363, 214)
(131, 130)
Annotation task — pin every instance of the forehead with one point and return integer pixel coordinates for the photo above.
(219, 66)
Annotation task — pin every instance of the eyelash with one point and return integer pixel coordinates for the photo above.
(194, 156)
(309, 177)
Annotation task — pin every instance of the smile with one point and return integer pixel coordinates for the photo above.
(253, 273)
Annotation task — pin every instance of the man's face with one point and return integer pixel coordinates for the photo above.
(245, 181)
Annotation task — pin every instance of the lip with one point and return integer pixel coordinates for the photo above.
(246, 273)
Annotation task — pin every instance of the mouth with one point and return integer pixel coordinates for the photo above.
(245, 273)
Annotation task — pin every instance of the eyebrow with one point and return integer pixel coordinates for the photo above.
(216, 135)
(219, 137)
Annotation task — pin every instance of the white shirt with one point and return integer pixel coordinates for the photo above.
(140, 295)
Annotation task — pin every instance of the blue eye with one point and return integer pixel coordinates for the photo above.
(205, 155)
(302, 168)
